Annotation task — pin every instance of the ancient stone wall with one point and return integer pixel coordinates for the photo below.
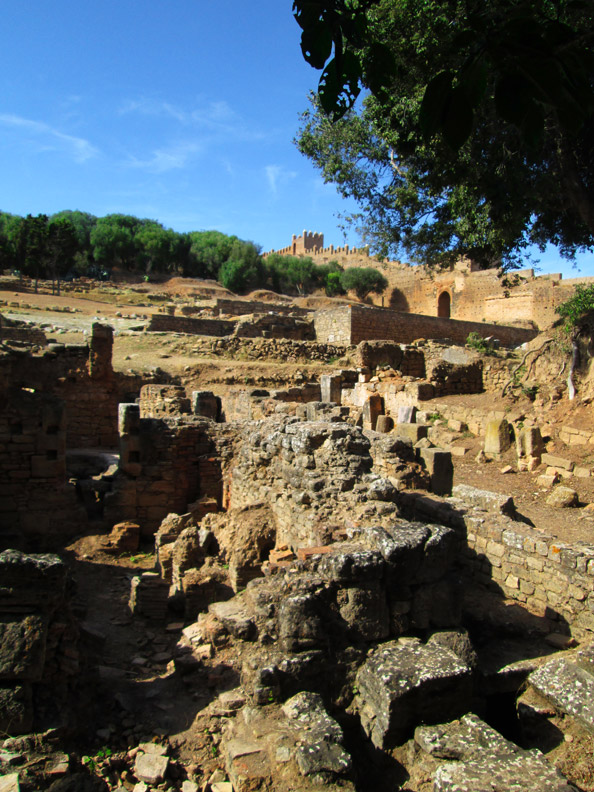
(82, 378)
(260, 403)
(551, 579)
(184, 324)
(37, 504)
(242, 307)
(158, 401)
(267, 349)
(165, 464)
(355, 323)
(39, 657)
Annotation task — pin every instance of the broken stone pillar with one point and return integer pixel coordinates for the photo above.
(384, 424)
(148, 596)
(129, 432)
(439, 466)
(407, 414)
(331, 386)
(100, 354)
(497, 437)
(373, 407)
(205, 403)
(529, 447)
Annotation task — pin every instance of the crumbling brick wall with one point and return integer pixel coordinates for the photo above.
(165, 464)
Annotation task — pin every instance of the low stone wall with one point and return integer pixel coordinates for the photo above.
(553, 580)
(26, 335)
(268, 349)
(409, 361)
(157, 401)
(354, 323)
(241, 307)
(183, 324)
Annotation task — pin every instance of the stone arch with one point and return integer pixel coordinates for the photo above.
(444, 305)
(398, 301)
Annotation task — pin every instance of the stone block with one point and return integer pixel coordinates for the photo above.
(439, 466)
(384, 424)
(22, 647)
(406, 414)
(485, 499)
(404, 682)
(205, 403)
(563, 497)
(373, 407)
(470, 756)
(411, 431)
(497, 437)
(557, 462)
(331, 387)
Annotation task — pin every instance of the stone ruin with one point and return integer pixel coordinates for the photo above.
(382, 624)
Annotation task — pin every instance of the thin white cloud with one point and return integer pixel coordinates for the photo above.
(276, 176)
(216, 118)
(46, 138)
(167, 159)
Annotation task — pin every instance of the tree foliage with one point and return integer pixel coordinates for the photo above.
(579, 306)
(477, 134)
(363, 281)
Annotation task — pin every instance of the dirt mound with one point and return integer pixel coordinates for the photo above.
(265, 295)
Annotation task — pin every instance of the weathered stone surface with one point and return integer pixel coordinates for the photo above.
(10, 783)
(235, 618)
(320, 737)
(384, 424)
(150, 767)
(569, 686)
(497, 437)
(373, 407)
(16, 709)
(484, 499)
(439, 466)
(563, 498)
(35, 581)
(22, 647)
(469, 756)
(124, 538)
(404, 682)
(410, 431)
(330, 385)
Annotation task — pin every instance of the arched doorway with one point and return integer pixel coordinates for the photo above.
(444, 302)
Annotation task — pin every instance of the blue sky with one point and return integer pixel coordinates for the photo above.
(183, 112)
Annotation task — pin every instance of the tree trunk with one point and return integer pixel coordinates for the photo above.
(575, 357)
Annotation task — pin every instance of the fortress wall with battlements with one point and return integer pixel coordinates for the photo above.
(521, 299)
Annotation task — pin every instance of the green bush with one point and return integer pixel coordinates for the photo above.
(577, 307)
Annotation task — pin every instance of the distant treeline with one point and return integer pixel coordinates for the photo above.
(72, 244)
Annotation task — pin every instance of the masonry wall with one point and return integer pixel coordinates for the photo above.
(241, 307)
(551, 579)
(353, 324)
(82, 378)
(165, 465)
(183, 324)
(554, 581)
(38, 507)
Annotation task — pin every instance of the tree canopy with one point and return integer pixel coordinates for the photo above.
(476, 136)
(77, 243)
